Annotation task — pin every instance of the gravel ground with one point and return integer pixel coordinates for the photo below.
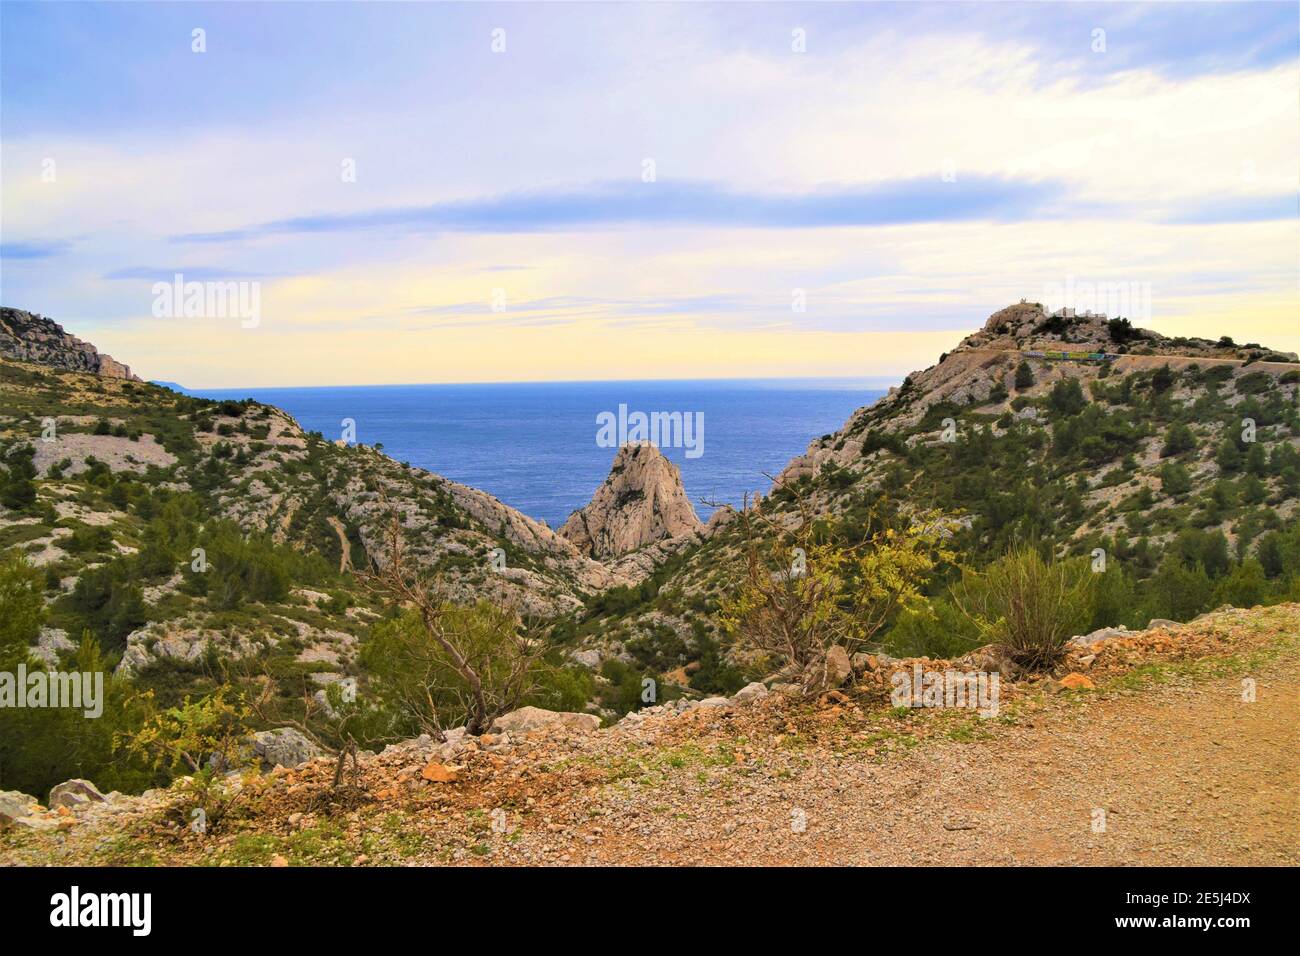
(1185, 775)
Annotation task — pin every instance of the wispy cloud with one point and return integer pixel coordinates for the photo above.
(191, 274)
(895, 202)
(34, 250)
(1238, 209)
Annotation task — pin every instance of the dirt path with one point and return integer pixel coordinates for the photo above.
(1185, 774)
(1133, 360)
(345, 549)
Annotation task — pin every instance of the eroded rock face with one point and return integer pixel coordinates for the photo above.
(641, 502)
(28, 337)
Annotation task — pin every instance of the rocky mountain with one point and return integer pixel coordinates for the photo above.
(992, 390)
(642, 502)
(28, 337)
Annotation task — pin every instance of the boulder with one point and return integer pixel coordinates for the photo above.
(75, 793)
(527, 719)
(1098, 636)
(284, 747)
(1076, 681)
(828, 673)
(991, 658)
(715, 702)
(750, 692)
(588, 658)
(14, 806)
(38, 823)
(439, 773)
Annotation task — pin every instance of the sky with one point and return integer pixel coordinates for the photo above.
(428, 192)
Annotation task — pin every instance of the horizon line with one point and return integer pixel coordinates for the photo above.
(874, 380)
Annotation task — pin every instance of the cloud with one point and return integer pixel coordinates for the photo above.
(191, 274)
(687, 203)
(34, 250)
(1238, 209)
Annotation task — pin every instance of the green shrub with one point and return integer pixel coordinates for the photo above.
(1178, 439)
(937, 628)
(1029, 606)
(1024, 376)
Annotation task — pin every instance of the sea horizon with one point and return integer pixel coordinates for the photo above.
(536, 445)
(864, 381)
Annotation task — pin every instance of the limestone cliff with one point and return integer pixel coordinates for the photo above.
(641, 502)
(28, 337)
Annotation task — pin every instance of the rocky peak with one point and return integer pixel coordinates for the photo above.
(28, 337)
(1028, 326)
(641, 502)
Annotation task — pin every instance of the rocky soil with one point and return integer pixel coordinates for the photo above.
(1171, 746)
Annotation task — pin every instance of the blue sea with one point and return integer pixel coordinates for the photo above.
(534, 445)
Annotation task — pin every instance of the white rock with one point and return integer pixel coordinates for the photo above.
(527, 719)
(752, 691)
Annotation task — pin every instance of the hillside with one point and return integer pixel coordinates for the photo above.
(110, 485)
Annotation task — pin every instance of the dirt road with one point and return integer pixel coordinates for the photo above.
(1177, 774)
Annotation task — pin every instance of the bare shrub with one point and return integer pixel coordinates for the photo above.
(441, 659)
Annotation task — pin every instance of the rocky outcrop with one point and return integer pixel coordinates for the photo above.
(527, 719)
(75, 793)
(829, 672)
(284, 747)
(641, 502)
(28, 337)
